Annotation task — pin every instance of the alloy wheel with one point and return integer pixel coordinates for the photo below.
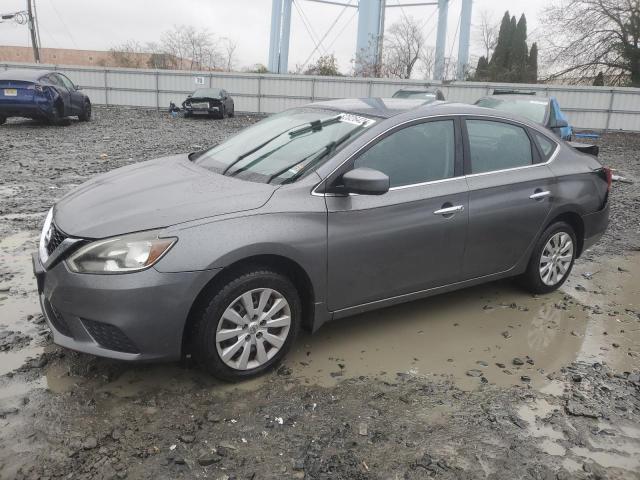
(556, 259)
(253, 328)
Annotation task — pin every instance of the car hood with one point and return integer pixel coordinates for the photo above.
(154, 194)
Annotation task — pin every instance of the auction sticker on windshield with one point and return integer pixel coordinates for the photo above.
(355, 119)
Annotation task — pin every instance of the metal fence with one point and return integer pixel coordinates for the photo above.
(596, 108)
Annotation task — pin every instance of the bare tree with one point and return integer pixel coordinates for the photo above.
(487, 32)
(127, 54)
(427, 61)
(193, 49)
(403, 45)
(585, 37)
(230, 47)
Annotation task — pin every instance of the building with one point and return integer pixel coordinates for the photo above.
(97, 58)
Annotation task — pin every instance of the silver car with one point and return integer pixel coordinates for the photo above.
(311, 215)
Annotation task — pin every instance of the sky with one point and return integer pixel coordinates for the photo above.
(101, 24)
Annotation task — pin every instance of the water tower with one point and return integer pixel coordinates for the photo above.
(371, 16)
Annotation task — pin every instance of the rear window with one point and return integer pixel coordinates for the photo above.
(547, 146)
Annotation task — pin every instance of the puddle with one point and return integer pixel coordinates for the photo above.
(21, 299)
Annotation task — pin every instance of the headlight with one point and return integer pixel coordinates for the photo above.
(128, 253)
(45, 236)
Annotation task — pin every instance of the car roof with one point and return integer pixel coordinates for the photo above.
(531, 98)
(23, 75)
(415, 109)
(419, 89)
(371, 107)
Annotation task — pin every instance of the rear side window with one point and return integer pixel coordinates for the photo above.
(420, 153)
(547, 147)
(497, 146)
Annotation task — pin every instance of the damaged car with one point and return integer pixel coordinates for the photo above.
(311, 215)
(212, 102)
(41, 95)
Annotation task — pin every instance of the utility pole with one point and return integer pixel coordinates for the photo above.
(32, 30)
(383, 9)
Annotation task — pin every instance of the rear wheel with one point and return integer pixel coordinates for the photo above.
(552, 259)
(248, 326)
(85, 116)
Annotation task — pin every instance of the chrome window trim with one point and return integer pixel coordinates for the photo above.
(402, 187)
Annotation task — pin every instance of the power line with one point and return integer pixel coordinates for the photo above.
(335, 22)
(63, 24)
(307, 25)
(343, 29)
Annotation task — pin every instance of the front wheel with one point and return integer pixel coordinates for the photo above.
(2, 120)
(248, 325)
(552, 259)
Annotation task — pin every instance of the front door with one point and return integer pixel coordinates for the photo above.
(412, 238)
(76, 98)
(510, 190)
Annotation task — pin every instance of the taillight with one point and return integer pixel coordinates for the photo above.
(609, 176)
(37, 87)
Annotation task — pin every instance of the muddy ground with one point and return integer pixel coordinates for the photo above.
(488, 382)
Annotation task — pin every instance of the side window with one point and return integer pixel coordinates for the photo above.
(497, 146)
(67, 83)
(547, 147)
(54, 80)
(420, 153)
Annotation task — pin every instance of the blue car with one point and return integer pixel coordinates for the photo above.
(41, 95)
(543, 110)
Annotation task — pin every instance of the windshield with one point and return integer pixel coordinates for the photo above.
(283, 147)
(410, 94)
(535, 110)
(207, 92)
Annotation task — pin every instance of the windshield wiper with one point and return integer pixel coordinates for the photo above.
(317, 155)
(293, 132)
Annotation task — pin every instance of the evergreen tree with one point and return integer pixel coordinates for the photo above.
(482, 70)
(499, 63)
(519, 53)
(597, 82)
(511, 60)
(532, 64)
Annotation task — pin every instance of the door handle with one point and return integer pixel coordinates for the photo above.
(540, 195)
(449, 210)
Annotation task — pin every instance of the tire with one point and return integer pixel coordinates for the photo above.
(2, 120)
(85, 116)
(537, 278)
(208, 347)
(187, 114)
(232, 113)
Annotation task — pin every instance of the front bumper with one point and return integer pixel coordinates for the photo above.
(137, 316)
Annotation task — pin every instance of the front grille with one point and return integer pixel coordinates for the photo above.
(56, 238)
(57, 320)
(109, 336)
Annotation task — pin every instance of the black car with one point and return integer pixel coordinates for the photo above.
(41, 95)
(537, 108)
(213, 102)
(428, 94)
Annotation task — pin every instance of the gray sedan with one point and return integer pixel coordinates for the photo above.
(311, 215)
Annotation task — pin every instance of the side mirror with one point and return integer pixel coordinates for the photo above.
(365, 181)
(189, 96)
(560, 123)
(78, 87)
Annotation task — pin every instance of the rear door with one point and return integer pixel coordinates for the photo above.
(405, 240)
(510, 191)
